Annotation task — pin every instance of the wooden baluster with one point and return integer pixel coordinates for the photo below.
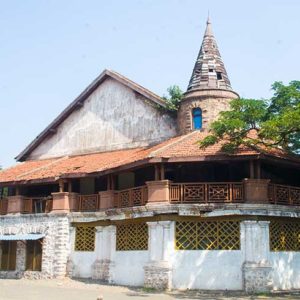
(206, 196)
(230, 192)
(130, 198)
(182, 192)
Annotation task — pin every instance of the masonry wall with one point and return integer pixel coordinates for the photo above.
(113, 117)
(56, 243)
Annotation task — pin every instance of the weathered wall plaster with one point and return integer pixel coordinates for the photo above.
(113, 117)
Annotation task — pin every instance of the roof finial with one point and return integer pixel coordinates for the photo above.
(208, 19)
(208, 30)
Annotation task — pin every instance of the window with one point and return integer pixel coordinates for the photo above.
(85, 238)
(8, 258)
(197, 118)
(34, 255)
(208, 235)
(132, 237)
(219, 75)
(284, 236)
(210, 70)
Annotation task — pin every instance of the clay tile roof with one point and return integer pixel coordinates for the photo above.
(180, 148)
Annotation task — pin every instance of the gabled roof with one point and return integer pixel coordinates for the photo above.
(183, 148)
(78, 102)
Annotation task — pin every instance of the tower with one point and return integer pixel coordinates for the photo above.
(209, 91)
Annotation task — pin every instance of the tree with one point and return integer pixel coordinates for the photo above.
(273, 123)
(174, 98)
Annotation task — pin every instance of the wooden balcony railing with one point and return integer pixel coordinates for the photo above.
(37, 205)
(89, 202)
(207, 192)
(137, 196)
(3, 206)
(284, 194)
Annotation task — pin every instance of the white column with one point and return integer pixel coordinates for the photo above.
(99, 242)
(155, 241)
(255, 241)
(167, 240)
(158, 271)
(105, 253)
(257, 270)
(111, 242)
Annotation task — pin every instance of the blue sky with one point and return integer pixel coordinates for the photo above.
(52, 49)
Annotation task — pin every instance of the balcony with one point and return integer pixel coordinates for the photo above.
(25, 205)
(255, 191)
(221, 192)
(37, 205)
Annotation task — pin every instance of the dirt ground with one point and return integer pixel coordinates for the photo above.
(68, 289)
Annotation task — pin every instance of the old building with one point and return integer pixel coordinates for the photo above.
(117, 189)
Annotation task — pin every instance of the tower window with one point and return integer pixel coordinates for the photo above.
(210, 70)
(197, 118)
(219, 75)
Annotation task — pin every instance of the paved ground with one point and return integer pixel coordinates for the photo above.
(87, 290)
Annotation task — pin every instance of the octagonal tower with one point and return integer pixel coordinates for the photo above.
(209, 91)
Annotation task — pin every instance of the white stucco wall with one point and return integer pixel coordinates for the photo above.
(286, 270)
(211, 270)
(129, 267)
(82, 263)
(113, 117)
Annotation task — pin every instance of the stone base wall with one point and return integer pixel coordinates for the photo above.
(102, 270)
(158, 276)
(257, 277)
(56, 244)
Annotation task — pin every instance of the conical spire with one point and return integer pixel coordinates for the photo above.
(209, 71)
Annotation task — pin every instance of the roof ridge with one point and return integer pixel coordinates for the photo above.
(152, 154)
(160, 99)
(43, 167)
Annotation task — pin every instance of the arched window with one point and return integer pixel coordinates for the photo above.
(197, 118)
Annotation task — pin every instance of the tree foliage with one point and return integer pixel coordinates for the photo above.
(275, 122)
(173, 99)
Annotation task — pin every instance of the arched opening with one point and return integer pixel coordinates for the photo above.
(197, 118)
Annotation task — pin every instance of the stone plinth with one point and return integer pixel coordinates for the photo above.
(102, 270)
(158, 275)
(158, 191)
(256, 190)
(257, 277)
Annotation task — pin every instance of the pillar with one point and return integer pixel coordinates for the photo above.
(15, 204)
(158, 272)
(256, 190)
(20, 258)
(105, 250)
(158, 191)
(106, 199)
(70, 264)
(257, 269)
(64, 202)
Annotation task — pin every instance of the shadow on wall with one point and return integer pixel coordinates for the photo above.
(286, 270)
(207, 269)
